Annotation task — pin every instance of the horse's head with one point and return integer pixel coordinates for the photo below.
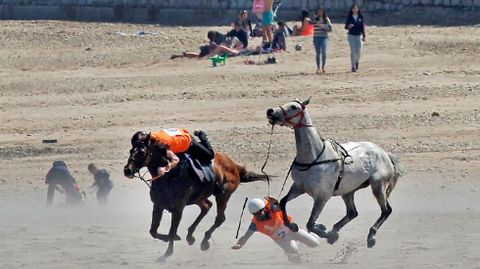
(290, 114)
(138, 153)
(144, 152)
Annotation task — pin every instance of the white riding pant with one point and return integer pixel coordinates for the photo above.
(288, 242)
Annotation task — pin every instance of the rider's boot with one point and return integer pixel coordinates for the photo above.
(202, 136)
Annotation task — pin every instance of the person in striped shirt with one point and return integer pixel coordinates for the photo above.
(322, 26)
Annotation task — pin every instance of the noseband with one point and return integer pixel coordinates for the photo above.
(301, 114)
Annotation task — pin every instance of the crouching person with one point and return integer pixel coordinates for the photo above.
(59, 178)
(268, 220)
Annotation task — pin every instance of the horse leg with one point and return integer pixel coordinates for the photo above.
(293, 193)
(205, 206)
(318, 229)
(378, 190)
(176, 217)
(157, 214)
(352, 213)
(221, 201)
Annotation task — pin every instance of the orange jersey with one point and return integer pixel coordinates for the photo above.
(273, 225)
(308, 31)
(179, 140)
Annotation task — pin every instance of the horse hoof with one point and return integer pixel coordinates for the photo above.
(162, 237)
(190, 240)
(371, 242)
(293, 227)
(205, 245)
(320, 227)
(332, 237)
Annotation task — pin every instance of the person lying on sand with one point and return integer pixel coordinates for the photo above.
(268, 220)
(218, 44)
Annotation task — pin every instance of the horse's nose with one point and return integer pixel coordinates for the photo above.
(269, 112)
(127, 171)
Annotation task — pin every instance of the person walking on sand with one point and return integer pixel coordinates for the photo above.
(356, 34)
(102, 181)
(267, 21)
(268, 220)
(322, 26)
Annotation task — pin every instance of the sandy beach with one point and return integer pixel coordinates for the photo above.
(91, 87)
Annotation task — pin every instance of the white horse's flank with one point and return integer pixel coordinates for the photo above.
(371, 165)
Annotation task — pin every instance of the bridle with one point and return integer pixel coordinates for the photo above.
(288, 119)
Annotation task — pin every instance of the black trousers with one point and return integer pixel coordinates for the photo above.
(201, 151)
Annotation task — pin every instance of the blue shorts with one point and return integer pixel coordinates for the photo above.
(267, 18)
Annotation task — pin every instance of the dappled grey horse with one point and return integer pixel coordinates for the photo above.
(324, 168)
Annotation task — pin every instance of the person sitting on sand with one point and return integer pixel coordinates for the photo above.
(102, 181)
(306, 27)
(245, 22)
(268, 220)
(59, 178)
(239, 33)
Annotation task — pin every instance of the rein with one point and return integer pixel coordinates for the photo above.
(141, 177)
(266, 160)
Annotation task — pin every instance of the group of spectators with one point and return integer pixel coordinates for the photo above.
(236, 41)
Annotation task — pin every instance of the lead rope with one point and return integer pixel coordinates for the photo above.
(266, 160)
(285, 180)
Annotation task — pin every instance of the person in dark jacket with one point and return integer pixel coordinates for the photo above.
(59, 178)
(239, 33)
(102, 181)
(356, 35)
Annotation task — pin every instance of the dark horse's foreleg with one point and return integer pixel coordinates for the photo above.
(157, 214)
(380, 195)
(205, 206)
(222, 200)
(293, 193)
(352, 213)
(176, 217)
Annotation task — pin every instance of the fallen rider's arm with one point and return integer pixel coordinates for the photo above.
(243, 240)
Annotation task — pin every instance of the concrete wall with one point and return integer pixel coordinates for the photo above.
(191, 11)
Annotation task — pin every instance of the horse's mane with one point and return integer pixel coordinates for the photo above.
(159, 151)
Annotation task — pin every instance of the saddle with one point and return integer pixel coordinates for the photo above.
(204, 172)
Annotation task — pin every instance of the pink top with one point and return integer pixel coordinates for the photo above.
(258, 6)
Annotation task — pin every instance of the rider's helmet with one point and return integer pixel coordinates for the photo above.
(139, 137)
(59, 163)
(255, 205)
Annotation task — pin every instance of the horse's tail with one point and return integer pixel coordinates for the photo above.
(397, 172)
(248, 176)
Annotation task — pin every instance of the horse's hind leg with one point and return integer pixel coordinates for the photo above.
(378, 190)
(205, 206)
(222, 201)
(352, 213)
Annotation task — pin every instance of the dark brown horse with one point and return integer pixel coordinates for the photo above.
(181, 187)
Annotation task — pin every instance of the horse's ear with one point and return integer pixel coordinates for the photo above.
(148, 139)
(306, 102)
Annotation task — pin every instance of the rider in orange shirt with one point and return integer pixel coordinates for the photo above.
(268, 220)
(178, 140)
